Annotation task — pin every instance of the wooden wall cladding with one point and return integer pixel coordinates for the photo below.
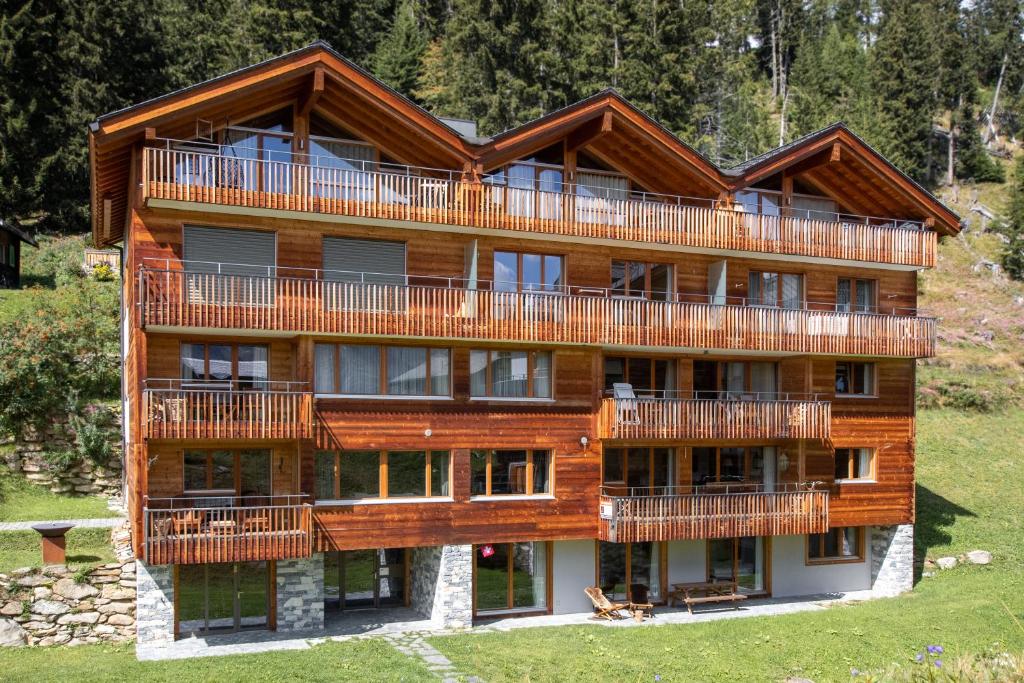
(163, 360)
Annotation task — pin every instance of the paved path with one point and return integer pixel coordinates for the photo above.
(413, 645)
(102, 523)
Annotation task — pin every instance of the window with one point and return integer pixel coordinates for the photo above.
(355, 475)
(382, 370)
(511, 576)
(499, 473)
(754, 466)
(640, 468)
(642, 280)
(235, 472)
(855, 463)
(510, 374)
(735, 380)
(644, 374)
(742, 560)
(245, 364)
(630, 571)
(230, 267)
(519, 272)
(222, 597)
(841, 544)
(856, 296)
(855, 379)
(780, 290)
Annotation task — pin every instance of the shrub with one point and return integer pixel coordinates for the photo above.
(102, 272)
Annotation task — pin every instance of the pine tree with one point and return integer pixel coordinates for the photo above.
(972, 159)
(1013, 226)
(399, 56)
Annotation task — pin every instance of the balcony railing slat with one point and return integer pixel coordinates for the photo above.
(210, 300)
(209, 178)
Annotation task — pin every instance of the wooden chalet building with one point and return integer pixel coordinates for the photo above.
(372, 360)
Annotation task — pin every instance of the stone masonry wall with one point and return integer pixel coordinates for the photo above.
(442, 584)
(300, 594)
(892, 559)
(155, 603)
(55, 606)
(24, 455)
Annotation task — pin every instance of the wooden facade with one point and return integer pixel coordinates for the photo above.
(841, 341)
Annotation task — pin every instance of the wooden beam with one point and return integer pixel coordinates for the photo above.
(589, 131)
(837, 153)
(315, 91)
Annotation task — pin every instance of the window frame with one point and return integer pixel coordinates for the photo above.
(382, 476)
(852, 455)
(382, 373)
(779, 290)
(236, 471)
(235, 346)
(628, 565)
(855, 285)
(722, 376)
(509, 608)
(869, 392)
(748, 459)
(530, 474)
(673, 372)
(543, 256)
(859, 556)
(670, 294)
(531, 364)
(671, 462)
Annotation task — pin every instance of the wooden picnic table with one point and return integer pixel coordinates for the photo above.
(697, 592)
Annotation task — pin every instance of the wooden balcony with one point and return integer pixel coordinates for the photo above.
(445, 309)
(179, 409)
(200, 530)
(690, 513)
(711, 416)
(202, 174)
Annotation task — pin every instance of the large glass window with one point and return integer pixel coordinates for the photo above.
(735, 380)
(510, 374)
(511, 576)
(642, 280)
(360, 579)
(855, 379)
(838, 544)
(497, 473)
(741, 560)
(521, 272)
(640, 468)
(753, 466)
(353, 475)
(630, 571)
(238, 472)
(646, 375)
(244, 364)
(379, 371)
(783, 290)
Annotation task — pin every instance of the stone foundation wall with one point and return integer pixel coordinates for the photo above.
(54, 606)
(442, 584)
(155, 603)
(300, 594)
(892, 559)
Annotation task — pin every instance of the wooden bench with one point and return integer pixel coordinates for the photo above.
(698, 593)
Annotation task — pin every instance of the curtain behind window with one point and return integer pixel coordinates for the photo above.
(360, 369)
(407, 371)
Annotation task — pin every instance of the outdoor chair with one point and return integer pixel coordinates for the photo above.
(605, 608)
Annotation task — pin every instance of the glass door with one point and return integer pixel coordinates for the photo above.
(630, 571)
(365, 579)
(741, 560)
(222, 597)
(511, 577)
(359, 578)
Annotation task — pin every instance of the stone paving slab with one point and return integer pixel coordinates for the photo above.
(101, 523)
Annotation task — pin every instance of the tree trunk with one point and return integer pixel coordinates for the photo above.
(990, 133)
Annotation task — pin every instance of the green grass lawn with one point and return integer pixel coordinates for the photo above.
(22, 501)
(361, 660)
(970, 495)
(85, 547)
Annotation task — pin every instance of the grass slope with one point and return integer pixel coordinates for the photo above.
(22, 501)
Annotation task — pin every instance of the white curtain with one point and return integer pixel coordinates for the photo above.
(323, 374)
(597, 197)
(542, 375)
(509, 375)
(814, 208)
(360, 369)
(407, 371)
(477, 373)
(439, 373)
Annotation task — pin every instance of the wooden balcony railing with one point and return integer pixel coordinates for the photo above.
(199, 530)
(182, 409)
(690, 513)
(709, 416)
(174, 298)
(335, 186)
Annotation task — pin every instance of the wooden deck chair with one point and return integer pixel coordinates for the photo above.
(605, 608)
(626, 405)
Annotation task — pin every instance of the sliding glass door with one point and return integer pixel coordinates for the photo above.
(511, 577)
(742, 560)
(365, 579)
(630, 571)
(222, 597)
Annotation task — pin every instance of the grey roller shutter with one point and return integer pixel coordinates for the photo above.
(230, 266)
(371, 261)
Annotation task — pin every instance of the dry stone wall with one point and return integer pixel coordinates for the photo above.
(56, 606)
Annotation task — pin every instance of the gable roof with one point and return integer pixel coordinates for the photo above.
(611, 128)
(18, 233)
(868, 159)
